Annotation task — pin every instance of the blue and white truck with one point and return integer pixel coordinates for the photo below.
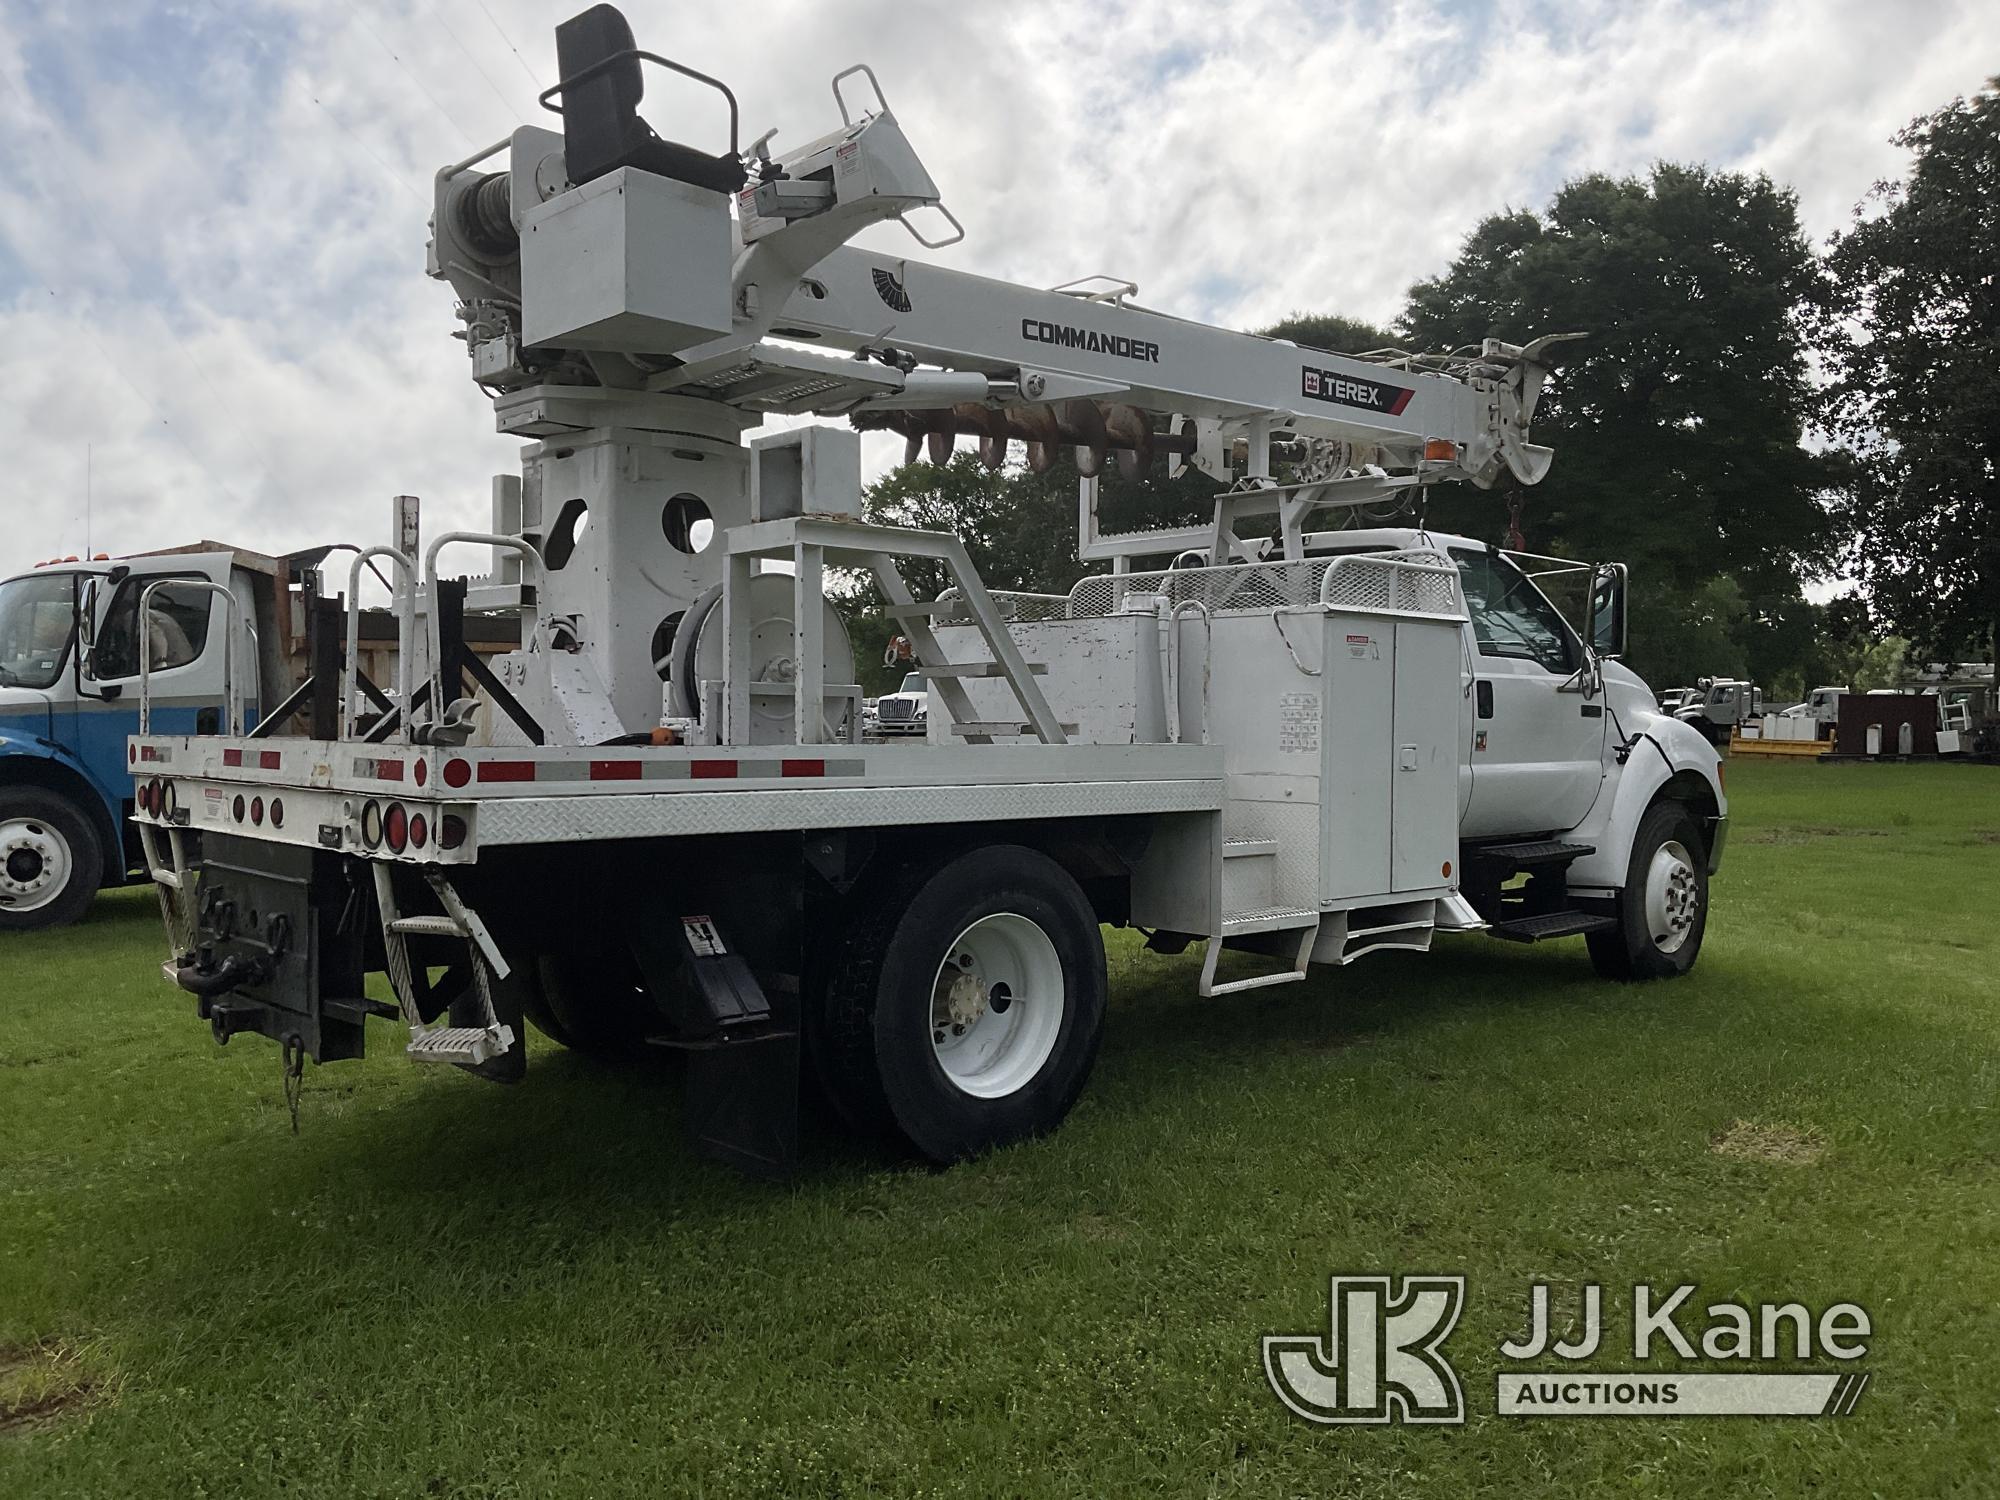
(70, 697)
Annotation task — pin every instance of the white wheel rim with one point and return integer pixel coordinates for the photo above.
(1673, 897)
(997, 1006)
(35, 864)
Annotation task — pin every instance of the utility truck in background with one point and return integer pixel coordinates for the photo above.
(1726, 705)
(73, 650)
(1326, 732)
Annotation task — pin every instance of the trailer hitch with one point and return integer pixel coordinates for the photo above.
(199, 974)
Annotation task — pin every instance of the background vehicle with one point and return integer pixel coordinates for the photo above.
(1673, 700)
(1325, 743)
(905, 711)
(1726, 704)
(70, 641)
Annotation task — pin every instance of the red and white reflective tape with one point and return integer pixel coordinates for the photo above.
(267, 760)
(458, 772)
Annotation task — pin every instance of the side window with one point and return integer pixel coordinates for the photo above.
(175, 632)
(1509, 615)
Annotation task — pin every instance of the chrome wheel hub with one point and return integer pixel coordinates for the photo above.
(35, 864)
(1673, 896)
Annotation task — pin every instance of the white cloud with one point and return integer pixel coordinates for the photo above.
(211, 273)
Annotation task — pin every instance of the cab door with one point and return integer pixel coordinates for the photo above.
(1537, 750)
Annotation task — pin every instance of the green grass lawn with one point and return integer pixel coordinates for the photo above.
(444, 1288)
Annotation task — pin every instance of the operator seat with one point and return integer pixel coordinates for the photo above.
(602, 130)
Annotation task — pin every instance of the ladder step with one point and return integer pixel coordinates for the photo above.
(1248, 848)
(1551, 924)
(1534, 852)
(977, 669)
(428, 927)
(1274, 919)
(469, 1045)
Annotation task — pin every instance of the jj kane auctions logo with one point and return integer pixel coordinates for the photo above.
(1382, 1359)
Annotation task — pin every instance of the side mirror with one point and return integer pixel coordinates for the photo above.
(1606, 630)
(86, 629)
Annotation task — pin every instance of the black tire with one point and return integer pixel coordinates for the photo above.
(587, 1002)
(51, 859)
(1632, 950)
(870, 1023)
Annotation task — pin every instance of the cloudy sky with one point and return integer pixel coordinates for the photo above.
(212, 211)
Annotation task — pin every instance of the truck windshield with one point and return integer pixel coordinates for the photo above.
(37, 622)
(914, 683)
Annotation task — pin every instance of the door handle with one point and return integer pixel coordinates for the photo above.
(1482, 692)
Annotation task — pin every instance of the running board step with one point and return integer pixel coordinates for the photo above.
(468, 1046)
(1535, 852)
(1551, 924)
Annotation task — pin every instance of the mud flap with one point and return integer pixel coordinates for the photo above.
(742, 1106)
(509, 1009)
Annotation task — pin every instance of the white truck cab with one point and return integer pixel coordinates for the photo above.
(905, 711)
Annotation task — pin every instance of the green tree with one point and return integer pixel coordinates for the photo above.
(1332, 332)
(1917, 281)
(1678, 422)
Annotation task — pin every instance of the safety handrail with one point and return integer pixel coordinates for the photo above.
(406, 635)
(530, 555)
(233, 615)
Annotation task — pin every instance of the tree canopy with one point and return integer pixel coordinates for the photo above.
(1677, 422)
(1914, 287)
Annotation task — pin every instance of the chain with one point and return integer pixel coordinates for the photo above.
(292, 1057)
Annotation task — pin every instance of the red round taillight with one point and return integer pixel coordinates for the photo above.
(422, 772)
(420, 831)
(131, 755)
(451, 831)
(396, 828)
(277, 812)
(236, 808)
(457, 772)
(257, 811)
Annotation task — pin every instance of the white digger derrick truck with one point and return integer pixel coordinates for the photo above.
(1306, 739)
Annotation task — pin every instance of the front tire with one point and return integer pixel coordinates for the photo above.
(1663, 909)
(50, 864)
(964, 1012)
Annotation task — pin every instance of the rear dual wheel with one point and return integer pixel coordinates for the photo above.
(963, 1010)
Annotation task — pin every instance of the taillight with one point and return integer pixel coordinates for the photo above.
(371, 824)
(457, 772)
(257, 811)
(420, 831)
(451, 831)
(422, 772)
(277, 812)
(236, 808)
(170, 801)
(396, 828)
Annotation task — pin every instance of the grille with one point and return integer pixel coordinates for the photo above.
(895, 710)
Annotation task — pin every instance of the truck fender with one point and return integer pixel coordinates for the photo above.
(1667, 758)
(28, 761)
